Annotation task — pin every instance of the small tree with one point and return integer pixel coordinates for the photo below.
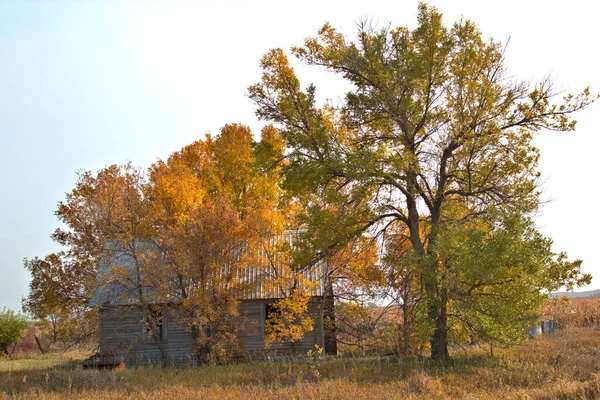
(498, 270)
(11, 327)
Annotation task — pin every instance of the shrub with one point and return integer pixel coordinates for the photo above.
(11, 327)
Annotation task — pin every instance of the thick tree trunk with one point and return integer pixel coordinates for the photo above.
(439, 339)
(330, 345)
(436, 311)
(437, 293)
(437, 296)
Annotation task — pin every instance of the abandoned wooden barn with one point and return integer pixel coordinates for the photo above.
(123, 332)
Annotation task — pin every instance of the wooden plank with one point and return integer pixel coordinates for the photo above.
(122, 331)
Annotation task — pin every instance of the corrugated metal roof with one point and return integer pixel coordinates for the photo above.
(266, 275)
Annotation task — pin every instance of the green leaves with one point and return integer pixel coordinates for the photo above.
(498, 270)
(434, 132)
(12, 325)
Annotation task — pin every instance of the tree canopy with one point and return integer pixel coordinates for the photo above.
(434, 132)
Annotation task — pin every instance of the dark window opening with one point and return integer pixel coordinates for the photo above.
(154, 324)
(272, 318)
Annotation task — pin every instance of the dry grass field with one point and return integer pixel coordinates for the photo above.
(562, 365)
(574, 312)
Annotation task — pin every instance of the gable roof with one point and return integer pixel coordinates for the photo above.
(260, 282)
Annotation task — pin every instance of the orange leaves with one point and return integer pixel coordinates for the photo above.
(358, 263)
(174, 191)
(288, 320)
(175, 230)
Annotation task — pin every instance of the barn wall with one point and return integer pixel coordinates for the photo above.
(122, 331)
(253, 339)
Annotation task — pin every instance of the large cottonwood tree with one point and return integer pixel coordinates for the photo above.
(433, 131)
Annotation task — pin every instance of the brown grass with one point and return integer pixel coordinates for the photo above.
(573, 312)
(563, 365)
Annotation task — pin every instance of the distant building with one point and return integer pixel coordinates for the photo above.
(544, 325)
(30, 343)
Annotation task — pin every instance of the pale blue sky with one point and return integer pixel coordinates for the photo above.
(84, 84)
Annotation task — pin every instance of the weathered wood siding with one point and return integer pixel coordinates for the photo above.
(122, 330)
(253, 338)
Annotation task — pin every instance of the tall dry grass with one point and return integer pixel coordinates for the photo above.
(573, 312)
(562, 365)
